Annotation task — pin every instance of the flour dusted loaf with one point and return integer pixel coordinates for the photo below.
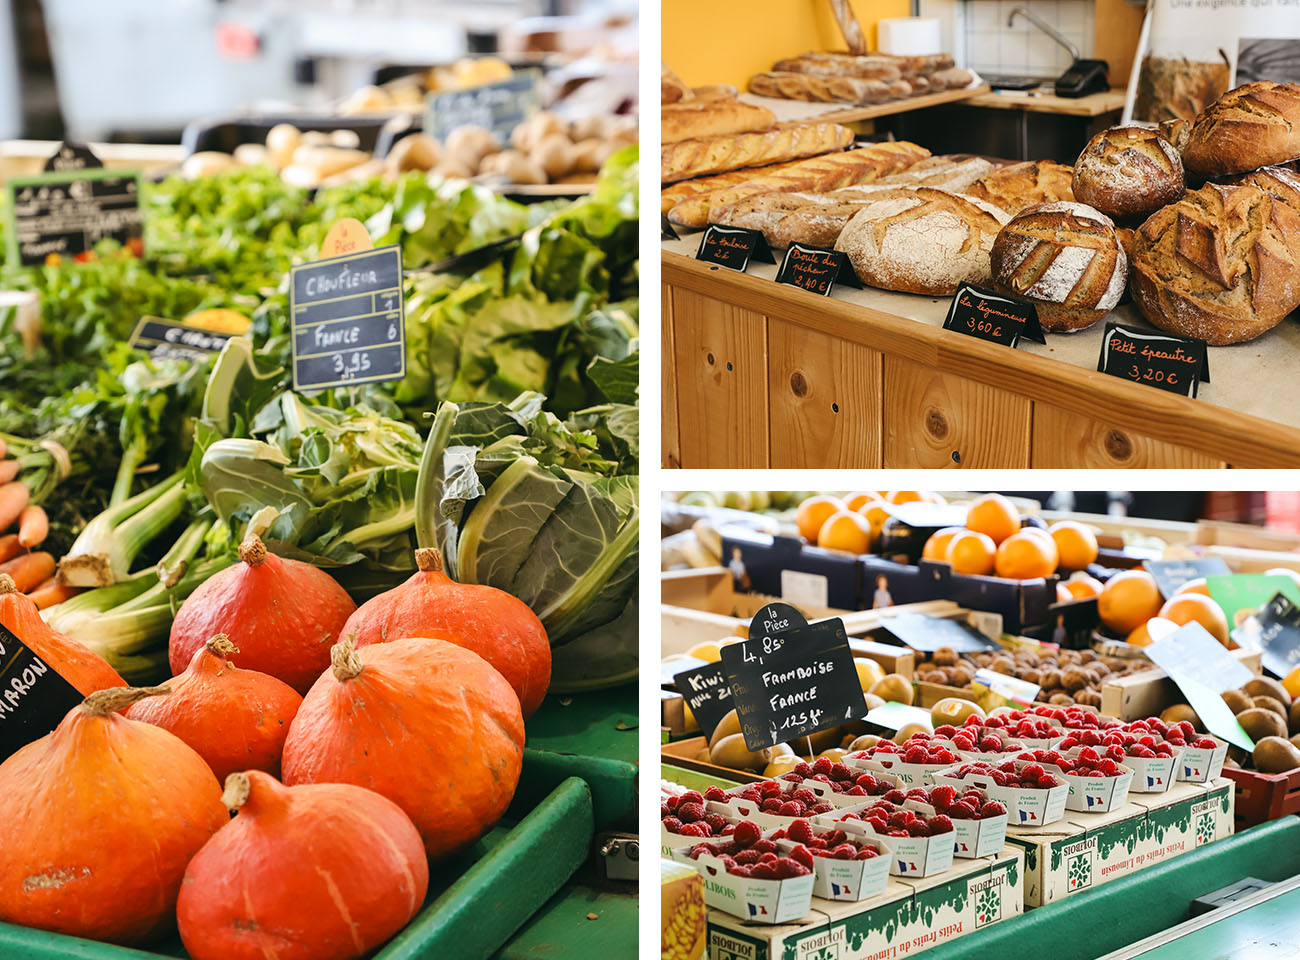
(1020, 185)
(922, 240)
(698, 118)
(696, 158)
(1218, 264)
(1128, 171)
(1066, 258)
(1253, 126)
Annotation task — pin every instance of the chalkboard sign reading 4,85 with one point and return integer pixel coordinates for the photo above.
(348, 320)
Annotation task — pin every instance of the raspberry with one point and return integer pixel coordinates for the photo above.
(895, 796)
(918, 828)
(771, 805)
(1108, 767)
(804, 795)
(803, 768)
(672, 802)
(1047, 782)
(741, 871)
(764, 846)
(801, 854)
(901, 818)
(817, 842)
(768, 857)
(836, 837)
(841, 771)
(992, 809)
(695, 830)
(665, 811)
(856, 792)
(866, 853)
(939, 824)
(917, 793)
(747, 833)
(764, 871)
(716, 822)
(1032, 771)
(791, 808)
(945, 730)
(963, 742)
(700, 848)
(716, 794)
(788, 868)
(867, 782)
(845, 851)
(1145, 752)
(748, 856)
(1205, 743)
(821, 808)
(1088, 755)
(943, 796)
(1185, 728)
(1089, 738)
(780, 834)
(672, 824)
(898, 833)
(1001, 778)
(728, 830)
(961, 811)
(823, 765)
(991, 744)
(800, 831)
(769, 788)
(1116, 754)
(915, 755)
(1164, 751)
(692, 796)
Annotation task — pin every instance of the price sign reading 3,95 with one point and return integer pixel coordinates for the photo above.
(348, 320)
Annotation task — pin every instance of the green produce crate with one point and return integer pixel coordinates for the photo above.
(476, 902)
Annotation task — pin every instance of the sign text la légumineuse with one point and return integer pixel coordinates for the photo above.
(1163, 360)
(733, 247)
(791, 678)
(994, 317)
(348, 318)
(63, 214)
(33, 697)
(707, 694)
(816, 269)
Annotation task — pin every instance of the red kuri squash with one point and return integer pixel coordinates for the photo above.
(235, 719)
(430, 725)
(98, 821)
(501, 629)
(76, 663)
(317, 872)
(282, 614)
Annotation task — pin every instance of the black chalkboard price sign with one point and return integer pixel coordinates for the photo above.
(33, 698)
(167, 338)
(816, 269)
(708, 695)
(1172, 574)
(1279, 636)
(348, 318)
(994, 317)
(733, 247)
(793, 681)
(62, 215)
(1162, 360)
(498, 107)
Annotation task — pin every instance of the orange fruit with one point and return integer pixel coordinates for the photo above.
(1154, 629)
(1076, 544)
(1128, 600)
(1024, 556)
(936, 548)
(1292, 683)
(1194, 586)
(859, 500)
(994, 516)
(971, 552)
(1183, 608)
(1083, 586)
(876, 514)
(845, 530)
(813, 512)
(1063, 595)
(905, 496)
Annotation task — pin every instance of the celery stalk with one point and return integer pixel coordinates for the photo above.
(103, 553)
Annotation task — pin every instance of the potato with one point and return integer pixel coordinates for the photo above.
(451, 168)
(587, 154)
(252, 155)
(206, 163)
(554, 154)
(281, 141)
(523, 171)
(589, 128)
(535, 129)
(419, 151)
(471, 144)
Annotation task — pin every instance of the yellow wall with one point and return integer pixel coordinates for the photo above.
(728, 41)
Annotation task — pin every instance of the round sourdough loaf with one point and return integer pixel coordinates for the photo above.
(1065, 258)
(1255, 125)
(1128, 172)
(1020, 185)
(1282, 183)
(921, 240)
(1218, 264)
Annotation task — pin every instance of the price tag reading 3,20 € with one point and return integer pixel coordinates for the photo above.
(348, 320)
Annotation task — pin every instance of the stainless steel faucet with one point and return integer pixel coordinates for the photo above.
(1046, 28)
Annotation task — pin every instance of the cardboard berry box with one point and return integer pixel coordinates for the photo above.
(752, 900)
(1198, 765)
(909, 774)
(1032, 808)
(912, 856)
(1090, 794)
(843, 879)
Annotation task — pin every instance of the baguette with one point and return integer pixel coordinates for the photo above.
(672, 195)
(697, 119)
(694, 158)
(863, 68)
(799, 86)
(671, 88)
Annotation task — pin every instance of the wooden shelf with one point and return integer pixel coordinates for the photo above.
(1093, 105)
(788, 110)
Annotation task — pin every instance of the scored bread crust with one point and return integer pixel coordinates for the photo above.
(1021, 185)
(697, 119)
(1254, 125)
(697, 158)
(921, 240)
(1283, 183)
(823, 89)
(1066, 258)
(1128, 171)
(1218, 264)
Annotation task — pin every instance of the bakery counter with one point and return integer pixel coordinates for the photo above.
(757, 374)
(1109, 103)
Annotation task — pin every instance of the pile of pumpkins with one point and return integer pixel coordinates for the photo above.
(1268, 713)
(353, 745)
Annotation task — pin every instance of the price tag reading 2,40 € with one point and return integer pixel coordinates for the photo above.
(348, 320)
(1164, 360)
(816, 269)
(793, 682)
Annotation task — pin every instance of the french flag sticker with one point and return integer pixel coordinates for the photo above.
(1155, 781)
(1027, 816)
(837, 889)
(757, 909)
(906, 866)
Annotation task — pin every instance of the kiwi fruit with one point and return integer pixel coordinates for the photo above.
(1293, 721)
(1259, 723)
(1296, 739)
(781, 764)
(1180, 712)
(1265, 702)
(731, 752)
(1276, 755)
(1237, 700)
(1267, 687)
(864, 742)
(909, 729)
(954, 710)
(727, 726)
(894, 687)
(873, 701)
(1236, 754)
(834, 754)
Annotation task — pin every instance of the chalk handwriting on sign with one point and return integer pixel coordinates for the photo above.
(992, 317)
(33, 696)
(63, 215)
(732, 247)
(707, 694)
(816, 269)
(1164, 360)
(166, 338)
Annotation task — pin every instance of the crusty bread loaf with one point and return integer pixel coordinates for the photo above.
(817, 174)
(1280, 182)
(715, 91)
(698, 119)
(671, 88)
(1218, 264)
(953, 78)
(1066, 259)
(841, 65)
(675, 193)
(925, 63)
(696, 158)
(1176, 131)
(949, 171)
(1253, 126)
(1128, 171)
(1021, 185)
(813, 88)
(922, 240)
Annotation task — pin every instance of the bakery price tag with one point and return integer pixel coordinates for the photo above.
(816, 269)
(1172, 574)
(166, 338)
(348, 318)
(1279, 635)
(928, 634)
(497, 107)
(65, 211)
(707, 694)
(994, 317)
(789, 681)
(733, 247)
(1164, 360)
(33, 697)
(666, 231)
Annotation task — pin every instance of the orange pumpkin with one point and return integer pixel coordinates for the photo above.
(282, 614)
(76, 663)
(500, 628)
(98, 821)
(427, 724)
(234, 719)
(317, 872)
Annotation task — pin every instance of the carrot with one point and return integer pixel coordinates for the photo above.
(8, 470)
(30, 569)
(49, 592)
(13, 497)
(4, 448)
(9, 547)
(33, 526)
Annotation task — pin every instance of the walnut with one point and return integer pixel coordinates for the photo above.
(1074, 679)
(934, 676)
(945, 656)
(1100, 668)
(983, 658)
(961, 676)
(1049, 678)
(1061, 700)
(1002, 665)
(1030, 676)
(1087, 656)
(1088, 697)
(1070, 657)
